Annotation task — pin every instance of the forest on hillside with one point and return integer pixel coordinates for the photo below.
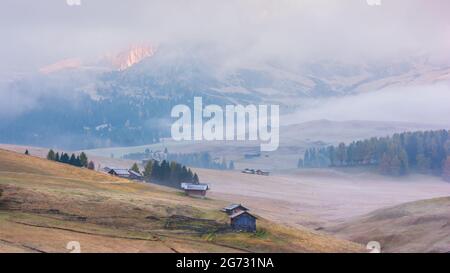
(425, 152)
(80, 160)
(169, 173)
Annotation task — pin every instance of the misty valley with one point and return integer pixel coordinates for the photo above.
(223, 132)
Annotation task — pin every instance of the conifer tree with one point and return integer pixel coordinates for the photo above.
(148, 170)
(65, 158)
(135, 168)
(72, 160)
(196, 179)
(51, 155)
(91, 165)
(83, 160)
(156, 170)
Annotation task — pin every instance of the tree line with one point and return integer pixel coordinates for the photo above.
(80, 160)
(170, 173)
(422, 151)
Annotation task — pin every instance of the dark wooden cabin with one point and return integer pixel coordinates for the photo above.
(243, 221)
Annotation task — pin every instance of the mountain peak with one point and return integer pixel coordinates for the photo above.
(133, 55)
(116, 61)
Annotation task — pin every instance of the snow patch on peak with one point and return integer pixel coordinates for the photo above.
(113, 61)
(131, 56)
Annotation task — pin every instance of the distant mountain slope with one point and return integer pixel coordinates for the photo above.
(171, 73)
(421, 226)
(125, 99)
(45, 205)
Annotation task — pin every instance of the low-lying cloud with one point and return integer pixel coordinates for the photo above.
(422, 104)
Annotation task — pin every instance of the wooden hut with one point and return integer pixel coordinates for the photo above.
(243, 221)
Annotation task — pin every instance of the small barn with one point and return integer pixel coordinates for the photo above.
(195, 190)
(119, 172)
(234, 208)
(243, 221)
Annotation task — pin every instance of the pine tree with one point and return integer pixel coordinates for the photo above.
(57, 157)
(184, 174)
(26, 152)
(341, 154)
(65, 158)
(91, 165)
(404, 164)
(72, 160)
(331, 156)
(156, 171)
(173, 171)
(135, 168)
(190, 176)
(165, 171)
(196, 179)
(51, 155)
(148, 170)
(83, 160)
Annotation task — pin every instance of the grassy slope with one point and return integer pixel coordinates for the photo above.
(421, 226)
(47, 204)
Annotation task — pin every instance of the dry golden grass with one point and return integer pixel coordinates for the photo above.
(47, 204)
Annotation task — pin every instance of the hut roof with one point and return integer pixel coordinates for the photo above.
(238, 214)
(120, 171)
(135, 173)
(234, 206)
(195, 187)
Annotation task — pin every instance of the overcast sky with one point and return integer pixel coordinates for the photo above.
(35, 33)
(241, 32)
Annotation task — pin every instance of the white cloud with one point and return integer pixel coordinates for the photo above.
(425, 104)
(40, 32)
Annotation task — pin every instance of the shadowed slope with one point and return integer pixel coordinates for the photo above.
(421, 226)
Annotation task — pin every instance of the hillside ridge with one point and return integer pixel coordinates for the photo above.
(47, 204)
